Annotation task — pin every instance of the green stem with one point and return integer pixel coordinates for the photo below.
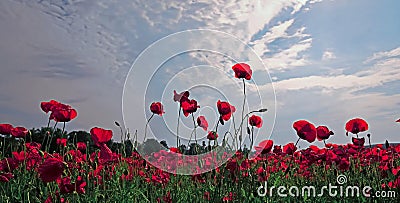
(62, 132)
(216, 126)
(145, 129)
(4, 146)
(194, 124)
(252, 139)
(48, 144)
(177, 126)
(291, 160)
(122, 142)
(244, 103)
(191, 135)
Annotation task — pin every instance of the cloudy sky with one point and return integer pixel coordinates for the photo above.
(328, 61)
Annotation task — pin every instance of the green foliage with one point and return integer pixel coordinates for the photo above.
(131, 179)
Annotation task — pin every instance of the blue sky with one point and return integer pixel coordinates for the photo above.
(329, 61)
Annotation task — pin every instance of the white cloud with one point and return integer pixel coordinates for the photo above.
(328, 55)
(377, 75)
(289, 58)
(279, 31)
(384, 54)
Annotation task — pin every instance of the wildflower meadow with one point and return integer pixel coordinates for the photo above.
(52, 164)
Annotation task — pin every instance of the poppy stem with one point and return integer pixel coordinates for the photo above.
(135, 140)
(252, 139)
(177, 126)
(244, 103)
(48, 123)
(194, 124)
(297, 142)
(48, 143)
(122, 142)
(241, 127)
(145, 129)
(291, 160)
(190, 138)
(4, 145)
(216, 126)
(62, 132)
(369, 141)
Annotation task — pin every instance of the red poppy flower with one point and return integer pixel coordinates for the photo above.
(48, 106)
(81, 146)
(323, 133)
(207, 196)
(305, 130)
(157, 108)
(19, 132)
(356, 125)
(263, 174)
(100, 135)
(5, 177)
(33, 147)
(255, 121)
(19, 156)
(174, 149)
(61, 142)
(189, 106)
(242, 70)
(8, 164)
(225, 110)
(66, 186)
(212, 135)
(229, 197)
(344, 164)
(183, 96)
(358, 141)
(265, 146)
(62, 112)
(80, 185)
(5, 129)
(289, 148)
(277, 149)
(50, 170)
(59, 112)
(105, 153)
(202, 122)
(63, 115)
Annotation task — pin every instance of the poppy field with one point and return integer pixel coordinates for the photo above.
(52, 165)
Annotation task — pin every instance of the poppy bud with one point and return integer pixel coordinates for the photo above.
(262, 110)
(387, 144)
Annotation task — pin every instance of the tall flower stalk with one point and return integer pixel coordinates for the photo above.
(242, 71)
(155, 108)
(181, 97)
